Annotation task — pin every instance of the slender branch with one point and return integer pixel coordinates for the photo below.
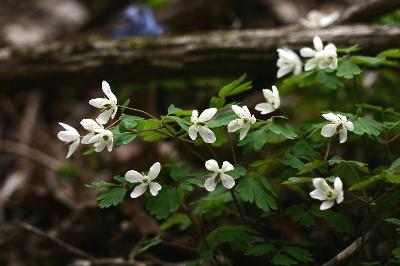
(328, 149)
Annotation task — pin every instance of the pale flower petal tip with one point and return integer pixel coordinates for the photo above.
(69, 136)
(327, 194)
(219, 175)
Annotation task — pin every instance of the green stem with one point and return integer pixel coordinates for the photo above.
(328, 149)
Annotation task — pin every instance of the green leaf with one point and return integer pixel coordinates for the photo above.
(259, 250)
(217, 102)
(129, 122)
(329, 81)
(149, 243)
(123, 139)
(336, 220)
(254, 141)
(367, 126)
(254, 191)
(300, 214)
(280, 259)
(284, 130)
(348, 69)
(214, 204)
(96, 184)
(392, 174)
(367, 60)
(222, 119)
(350, 49)
(391, 53)
(166, 202)
(237, 171)
(348, 169)
(173, 110)
(364, 183)
(394, 221)
(113, 196)
(300, 254)
(311, 166)
(180, 219)
(235, 87)
(294, 180)
(124, 105)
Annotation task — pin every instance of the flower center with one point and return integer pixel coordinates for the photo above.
(105, 138)
(331, 194)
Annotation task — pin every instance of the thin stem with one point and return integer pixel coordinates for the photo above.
(139, 111)
(328, 149)
(212, 151)
(238, 206)
(116, 121)
(232, 149)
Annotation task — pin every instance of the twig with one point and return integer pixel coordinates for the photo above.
(61, 243)
(348, 251)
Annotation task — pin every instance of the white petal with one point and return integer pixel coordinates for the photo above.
(227, 181)
(318, 45)
(226, 166)
(330, 46)
(107, 91)
(210, 184)
(194, 117)
(331, 117)
(340, 197)
(110, 144)
(235, 125)
(328, 130)
(326, 205)
(68, 128)
(72, 148)
(98, 102)
(138, 190)
(154, 171)
(317, 194)
(268, 95)
(207, 135)
(91, 125)
(265, 108)
(320, 184)
(67, 136)
(307, 52)
(133, 176)
(104, 116)
(212, 165)
(99, 146)
(284, 71)
(349, 125)
(154, 188)
(247, 112)
(86, 139)
(244, 130)
(207, 114)
(193, 132)
(276, 96)
(239, 111)
(115, 110)
(311, 64)
(343, 135)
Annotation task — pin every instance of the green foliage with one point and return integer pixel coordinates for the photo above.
(166, 202)
(367, 126)
(392, 174)
(149, 243)
(235, 87)
(348, 69)
(111, 197)
(299, 213)
(177, 218)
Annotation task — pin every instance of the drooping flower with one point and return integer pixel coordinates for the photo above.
(316, 19)
(326, 193)
(288, 62)
(273, 101)
(145, 181)
(107, 105)
(323, 57)
(219, 175)
(70, 136)
(199, 125)
(340, 125)
(244, 122)
(93, 127)
(102, 138)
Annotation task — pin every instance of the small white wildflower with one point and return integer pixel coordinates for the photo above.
(70, 136)
(288, 62)
(244, 121)
(273, 101)
(323, 57)
(107, 105)
(316, 19)
(102, 138)
(145, 181)
(326, 193)
(339, 125)
(93, 127)
(199, 125)
(219, 175)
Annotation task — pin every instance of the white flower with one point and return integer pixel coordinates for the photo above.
(316, 19)
(288, 62)
(93, 127)
(199, 125)
(108, 105)
(326, 193)
(243, 123)
(273, 101)
(102, 138)
(324, 57)
(69, 136)
(219, 175)
(339, 125)
(145, 181)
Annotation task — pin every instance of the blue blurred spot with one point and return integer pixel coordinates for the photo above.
(137, 20)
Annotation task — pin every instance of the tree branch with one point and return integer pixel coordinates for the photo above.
(218, 53)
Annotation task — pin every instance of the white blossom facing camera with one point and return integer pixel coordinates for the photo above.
(145, 181)
(219, 175)
(93, 127)
(325, 193)
(323, 57)
(70, 136)
(273, 101)
(199, 125)
(340, 125)
(316, 19)
(107, 105)
(102, 139)
(244, 122)
(288, 62)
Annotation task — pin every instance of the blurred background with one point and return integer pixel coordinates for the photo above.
(52, 64)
